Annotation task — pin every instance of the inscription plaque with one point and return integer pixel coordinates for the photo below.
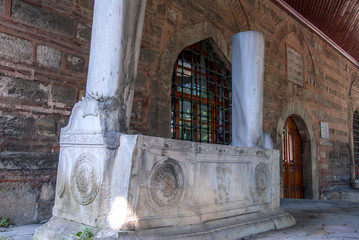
(294, 66)
(324, 130)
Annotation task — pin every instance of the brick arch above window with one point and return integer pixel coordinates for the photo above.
(288, 32)
(160, 122)
(201, 96)
(354, 85)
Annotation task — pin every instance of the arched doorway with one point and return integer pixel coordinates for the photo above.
(308, 146)
(292, 161)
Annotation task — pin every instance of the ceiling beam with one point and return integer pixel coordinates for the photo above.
(313, 28)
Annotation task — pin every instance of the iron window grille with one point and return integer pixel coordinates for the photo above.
(356, 143)
(201, 96)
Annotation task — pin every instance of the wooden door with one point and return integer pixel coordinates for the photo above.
(292, 161)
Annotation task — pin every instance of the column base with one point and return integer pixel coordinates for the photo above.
(235, 227)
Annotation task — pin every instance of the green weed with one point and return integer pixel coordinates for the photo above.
(4, 222)
(86, 234)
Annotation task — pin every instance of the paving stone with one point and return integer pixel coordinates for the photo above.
(24, 232)
(318, 220)
(332, 225)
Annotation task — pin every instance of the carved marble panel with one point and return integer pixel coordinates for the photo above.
(82, 139)
(85, 179)
(166, 183)
(262, 178)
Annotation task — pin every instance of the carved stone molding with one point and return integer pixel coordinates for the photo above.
(86, 139)
(85, 179)
(88, 106)
(166, 183)
(61, 176)
(262, 178)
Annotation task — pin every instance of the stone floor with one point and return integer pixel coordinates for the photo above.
(318, 220)
(23, 232)
(315, 220)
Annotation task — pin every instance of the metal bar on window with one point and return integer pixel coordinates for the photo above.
(182, 114)
(356, 143)
(209, 114)
(201, 96)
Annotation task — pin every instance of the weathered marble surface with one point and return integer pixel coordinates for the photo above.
(115, 45)
(149, 184)
(247, 88)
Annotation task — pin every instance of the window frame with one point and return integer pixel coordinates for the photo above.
(217, 82)
(356, 144)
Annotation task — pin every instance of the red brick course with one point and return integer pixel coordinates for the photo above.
(43, 68)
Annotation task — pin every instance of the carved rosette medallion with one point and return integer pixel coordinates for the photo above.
(262, 177)
(85, 179)
(166, 183)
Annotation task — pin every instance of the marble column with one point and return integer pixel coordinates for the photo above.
(247, 88)
(115, 45)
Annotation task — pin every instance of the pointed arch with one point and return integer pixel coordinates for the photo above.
(287, 31)
(354, 82)
(353, 105)
(240, 14)
(161, 103)
(302, 120)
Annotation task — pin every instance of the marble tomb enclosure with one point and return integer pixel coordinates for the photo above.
(125, 186)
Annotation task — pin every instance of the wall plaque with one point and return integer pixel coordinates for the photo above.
(294, 66)
(324, 130)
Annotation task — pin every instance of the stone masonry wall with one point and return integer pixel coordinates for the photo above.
(323, 94)
(44, 47)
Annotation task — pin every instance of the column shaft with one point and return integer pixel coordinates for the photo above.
(247, 88)
(115, 46)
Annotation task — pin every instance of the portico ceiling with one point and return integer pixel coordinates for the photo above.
(338, 20)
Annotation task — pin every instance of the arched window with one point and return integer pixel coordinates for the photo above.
(356, 143)
(201, 96)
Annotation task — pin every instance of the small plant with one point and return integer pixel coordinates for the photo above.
(4, 222)
(86, 234)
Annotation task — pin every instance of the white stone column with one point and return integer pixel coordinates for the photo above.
(247, 88)
(115, 45)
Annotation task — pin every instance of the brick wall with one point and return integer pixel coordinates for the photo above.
(44, 47)
(323, 95)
